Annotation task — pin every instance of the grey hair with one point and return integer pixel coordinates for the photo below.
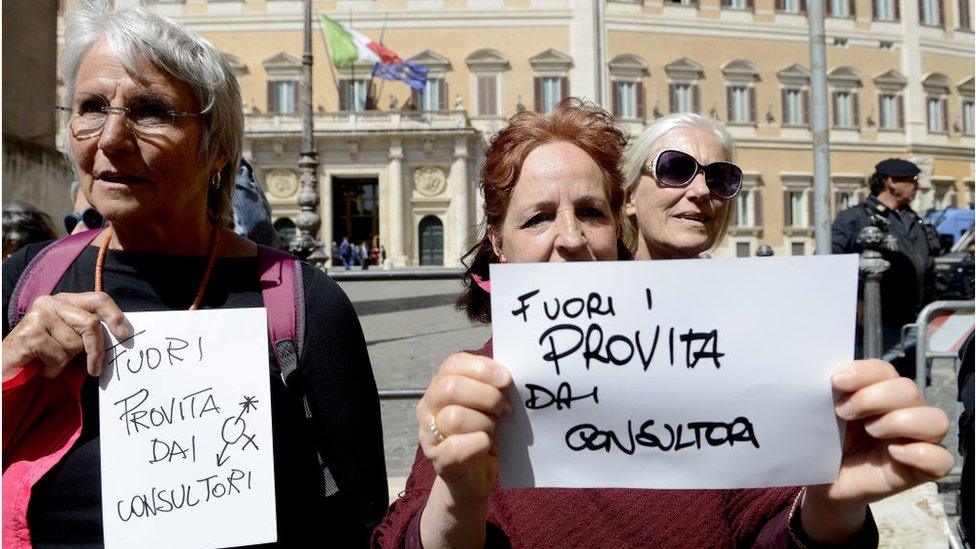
(638, 151)
(135, 35)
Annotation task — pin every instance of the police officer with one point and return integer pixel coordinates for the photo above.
(893, 187)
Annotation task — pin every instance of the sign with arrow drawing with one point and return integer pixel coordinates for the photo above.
(185, 431)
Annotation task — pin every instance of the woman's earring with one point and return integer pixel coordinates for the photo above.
(215, 181)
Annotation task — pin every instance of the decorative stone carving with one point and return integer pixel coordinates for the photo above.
(281, 183)
(429, 180)
(428, 146)
(352, 146)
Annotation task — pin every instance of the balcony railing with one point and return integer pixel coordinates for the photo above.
(346, 121)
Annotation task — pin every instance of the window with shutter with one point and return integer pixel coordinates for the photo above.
(272, 98)
(968, 122)
(695, 99)
(283, 96)
(344, 95)
(672, 98)
(757, 207)
(806, 107)
(487, 95)
(787, 209)
(537, 91)
(855, 112)
(563, 88)
(615, 99)
(442, 94)
(964, 20)
(640, 100)
(752, 105)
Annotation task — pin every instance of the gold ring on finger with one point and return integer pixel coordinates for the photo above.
(432, 425)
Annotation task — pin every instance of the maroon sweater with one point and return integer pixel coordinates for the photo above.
(617, 518)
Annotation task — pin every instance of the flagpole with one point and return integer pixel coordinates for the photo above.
(353, 65)
(382, 32)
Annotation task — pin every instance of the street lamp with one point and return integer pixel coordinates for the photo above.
(305, 244)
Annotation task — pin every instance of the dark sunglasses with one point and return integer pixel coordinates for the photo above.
(91, 218)
(677, 169)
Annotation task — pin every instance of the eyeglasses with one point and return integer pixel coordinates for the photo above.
(91, 218)
(143, 117)
(677, 169)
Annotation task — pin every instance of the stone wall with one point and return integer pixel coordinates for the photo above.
(38, 175)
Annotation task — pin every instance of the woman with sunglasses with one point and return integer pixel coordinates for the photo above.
(553, 192)
(680, 188)
(154, 127)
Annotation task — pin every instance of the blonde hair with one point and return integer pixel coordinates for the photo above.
(636, 157)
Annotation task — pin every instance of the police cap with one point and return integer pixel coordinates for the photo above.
(896, 167)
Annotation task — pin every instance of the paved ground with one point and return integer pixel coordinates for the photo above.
(411, 326)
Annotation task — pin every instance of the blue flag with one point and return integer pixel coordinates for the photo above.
(409, 73)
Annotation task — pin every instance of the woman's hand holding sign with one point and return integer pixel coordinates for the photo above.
(458, 417)
(58, 328)
(891, 445)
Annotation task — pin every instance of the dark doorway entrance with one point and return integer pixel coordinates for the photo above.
(355, 209)
(431, 241)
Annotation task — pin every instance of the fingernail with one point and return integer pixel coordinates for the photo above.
(898, 450)
(843, 379)
(127, 328)
(500, 376)
(844, 410)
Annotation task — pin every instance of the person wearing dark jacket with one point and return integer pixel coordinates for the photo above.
(893, 187)
(966, 356)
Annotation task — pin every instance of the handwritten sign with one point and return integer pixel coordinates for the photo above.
(185, 418)
(673, 374)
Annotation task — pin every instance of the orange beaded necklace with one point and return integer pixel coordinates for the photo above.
(211, 257)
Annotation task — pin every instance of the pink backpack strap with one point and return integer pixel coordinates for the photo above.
(284, 298)
(44, 272)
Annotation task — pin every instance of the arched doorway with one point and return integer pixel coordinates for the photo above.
(431, 232)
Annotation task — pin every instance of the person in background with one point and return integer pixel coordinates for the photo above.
(967, 355)
(252, 213)
(554, 191)
(347, 253)
(24, 224)
(363, 255)
(82, 217)
(893, 186)
(154, 127)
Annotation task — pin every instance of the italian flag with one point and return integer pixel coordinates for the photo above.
(346, 46)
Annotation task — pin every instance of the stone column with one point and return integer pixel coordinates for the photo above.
(911, 64)
(459, 172)
(395, 241)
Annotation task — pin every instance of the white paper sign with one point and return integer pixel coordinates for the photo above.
(673, 374)
(185, 418)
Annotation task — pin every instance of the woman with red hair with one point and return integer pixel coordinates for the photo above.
(553, 192)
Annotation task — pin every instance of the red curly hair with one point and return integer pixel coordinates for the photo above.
(573, 121)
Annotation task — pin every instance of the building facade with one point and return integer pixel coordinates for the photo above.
(399, 168)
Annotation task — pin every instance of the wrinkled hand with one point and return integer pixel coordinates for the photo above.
(466, 399)
(891, 443)
(58, 328)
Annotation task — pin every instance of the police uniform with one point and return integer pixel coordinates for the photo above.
(903, 284)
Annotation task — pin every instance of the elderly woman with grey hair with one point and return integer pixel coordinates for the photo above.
(154, 128)
(680, 186)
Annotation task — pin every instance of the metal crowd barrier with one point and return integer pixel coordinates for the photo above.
(922, 352)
